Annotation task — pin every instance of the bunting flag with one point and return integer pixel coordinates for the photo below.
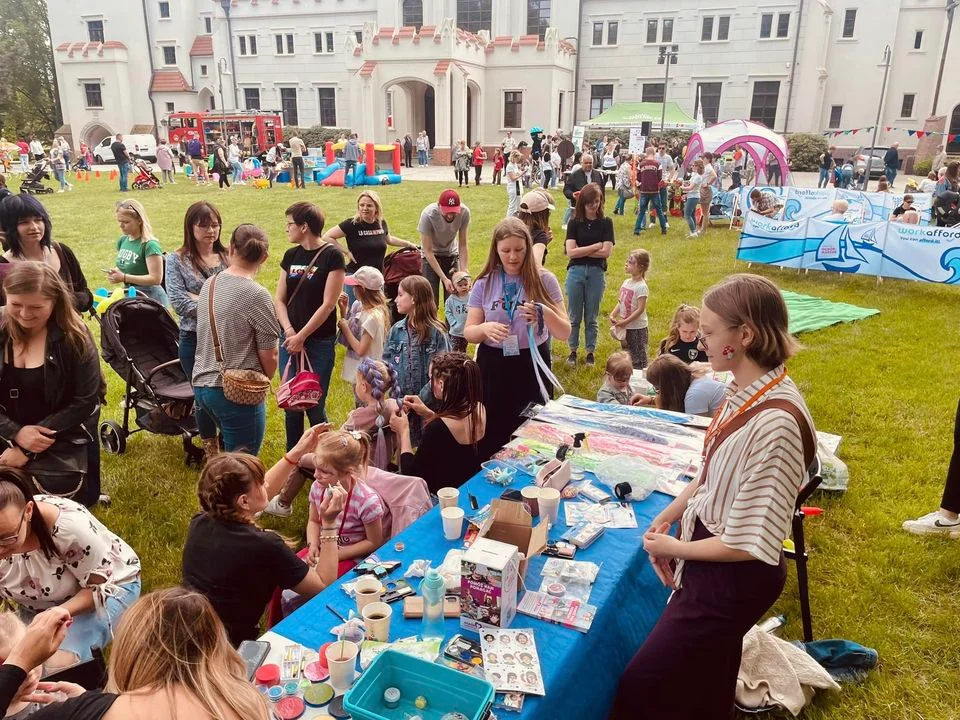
(912, 132)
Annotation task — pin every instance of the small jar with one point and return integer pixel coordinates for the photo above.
(391, 698)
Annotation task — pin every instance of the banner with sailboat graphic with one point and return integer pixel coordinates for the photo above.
(772, 242)
(844, 247)
(799, 203)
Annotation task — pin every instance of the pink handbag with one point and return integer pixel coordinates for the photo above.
(302, 391)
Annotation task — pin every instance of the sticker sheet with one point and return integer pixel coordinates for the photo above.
(611, 515)
(510, 660)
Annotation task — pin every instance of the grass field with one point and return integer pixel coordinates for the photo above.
(884, 383)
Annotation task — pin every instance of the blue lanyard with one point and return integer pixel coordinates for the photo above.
(511, 301)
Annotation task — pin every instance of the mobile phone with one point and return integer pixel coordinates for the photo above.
(253, 652)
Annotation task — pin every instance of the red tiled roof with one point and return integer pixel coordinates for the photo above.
(202, 46)
(529, 39)
(169, 81)
(441, 68)
(503, 41)
(366, 70)
(407, 31)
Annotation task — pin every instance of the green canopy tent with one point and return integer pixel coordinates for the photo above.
(635, 114)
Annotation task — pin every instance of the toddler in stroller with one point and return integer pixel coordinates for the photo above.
(33, 182)
(145, 179)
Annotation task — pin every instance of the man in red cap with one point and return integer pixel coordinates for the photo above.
(441, 223)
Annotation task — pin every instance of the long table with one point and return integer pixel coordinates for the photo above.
(580, 671)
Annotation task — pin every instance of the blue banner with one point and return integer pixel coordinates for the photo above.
(772, 242)
(844, 247)
(914, 252)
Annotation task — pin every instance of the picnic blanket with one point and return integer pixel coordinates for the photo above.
(808, 313)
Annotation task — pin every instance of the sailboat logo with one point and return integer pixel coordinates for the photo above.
(838, 252)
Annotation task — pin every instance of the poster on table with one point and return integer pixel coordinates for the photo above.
(844, 247)
(745, 204)
(808, 203)
(577, 139)
(915, 252)
(637, 140)
(772, 242)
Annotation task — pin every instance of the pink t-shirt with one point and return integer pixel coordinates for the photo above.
(364, 507)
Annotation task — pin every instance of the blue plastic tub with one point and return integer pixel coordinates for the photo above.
(445, 690)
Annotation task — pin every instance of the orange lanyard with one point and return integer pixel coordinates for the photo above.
(716, 427)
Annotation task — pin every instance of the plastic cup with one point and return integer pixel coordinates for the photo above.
(448, 497)
(367, 589)
(342, 661)
(531, 498)
(452, 522)
(549, 504)
(376, 621)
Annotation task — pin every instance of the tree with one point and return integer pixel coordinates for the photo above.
(29, 102)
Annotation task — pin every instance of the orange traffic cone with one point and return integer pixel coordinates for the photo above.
(87, 176)
(96, 174)
(113, 174)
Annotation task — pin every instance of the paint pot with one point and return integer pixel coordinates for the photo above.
(323, 654)
(267, 675)
(391, 698)
(290, 708)
(275, 693)
(556, 589)
(318, 695)
(316, 672)
(291, 688)
(336, 708)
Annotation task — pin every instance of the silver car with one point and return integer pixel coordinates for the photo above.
(876, 165)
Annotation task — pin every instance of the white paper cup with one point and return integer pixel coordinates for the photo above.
(549, 504)
(448, 497)
(343, 667)
(531, 497)
(376, 621)
(452, 522)
(367, 589)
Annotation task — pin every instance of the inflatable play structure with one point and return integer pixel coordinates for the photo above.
(366, 173)
(756, 140)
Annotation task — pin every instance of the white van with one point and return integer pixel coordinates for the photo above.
(144, 146)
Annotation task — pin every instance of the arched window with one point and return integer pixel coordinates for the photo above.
(413, 13)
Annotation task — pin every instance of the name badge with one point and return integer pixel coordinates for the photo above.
(511, 346)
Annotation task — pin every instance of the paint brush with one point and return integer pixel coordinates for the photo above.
(331, 609)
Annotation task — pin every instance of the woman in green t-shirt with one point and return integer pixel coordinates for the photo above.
(139, 260)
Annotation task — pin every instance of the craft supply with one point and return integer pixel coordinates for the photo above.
(448, 497)
(569, 613)
(610, 515)
(584, 534)
(289, 708)
(452, 522)
(399, 546)
(376, 621)
(454, 716)
(316, 672)
(292, 661)
(420, 702)
(391, 698)
(511, 702)
(413, 607)
(464, 649)
(337, 614)
(510, 660)
(318, 695)
(291, 687)
(488, 584)
(570, 570)
(267, 675)
(275, 693)
(323, 656)
(336, 708)
(592, 492)
(556, 589)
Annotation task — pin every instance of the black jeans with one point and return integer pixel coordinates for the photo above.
(298, 172)
(408, 156)
(463, 177)
(951, 491)
(477, 169)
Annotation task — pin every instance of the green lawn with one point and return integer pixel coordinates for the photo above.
(883, 383)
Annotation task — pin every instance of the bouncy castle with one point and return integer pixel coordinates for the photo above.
(366, 172)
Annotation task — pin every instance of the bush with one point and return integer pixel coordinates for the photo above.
(805, 151)
(922, 167)
(317, 135)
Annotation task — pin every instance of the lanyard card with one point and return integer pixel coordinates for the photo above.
(511, 346)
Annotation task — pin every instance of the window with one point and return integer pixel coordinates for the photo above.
(720, 24)
(328, 107)
(601, 98)
(164, 10)
(783, 25)
(766, 95)
(666, 30)
(906, 107)
(323, 42)
(412, 14)
(706, 29)
(95, 30)
(613, 29)
(766, 25)
(94, 96)
(359, 35)
(667, 34)
(652, 92)
(251, 98)
(651, 31)
(203, 71)
(709, 100)
(288, 105)
(284, 49)
(512, 108)
(560, 110)
(169, 55)
(836, 115)
(918, 40)
(538, 17)
(208, 25)
(723, 27)
(849, 23)
(248, 45)
(170, 108)
(598, 33)
(474, 15)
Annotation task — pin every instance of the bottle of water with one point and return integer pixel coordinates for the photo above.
(433, 590)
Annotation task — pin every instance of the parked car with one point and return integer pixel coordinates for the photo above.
(142, 146)
(876, 165)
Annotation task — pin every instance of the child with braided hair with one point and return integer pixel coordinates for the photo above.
(374, 382)
(364, 328)
(224, 541)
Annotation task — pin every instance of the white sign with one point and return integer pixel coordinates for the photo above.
(578, 132)
(637, 140)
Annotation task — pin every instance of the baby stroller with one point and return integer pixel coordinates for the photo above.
(33, 183)
(139, 340)
(145, 179)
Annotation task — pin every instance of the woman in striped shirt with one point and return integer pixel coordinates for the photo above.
(727, 567)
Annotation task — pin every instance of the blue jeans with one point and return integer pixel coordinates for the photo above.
(690, 211)
(124, 171)
(321, 353)
(553, 179)
(645, 201)
(891, 174)
(567, 214)
(621, 201)
(349, 170)
(824, 180)
(585, 285)
(237, 171)
(845, 179)
(188, 358)
(242, 426)
(61, 176)
(421, 157)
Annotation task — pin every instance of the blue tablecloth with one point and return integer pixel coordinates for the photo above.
(580, 671)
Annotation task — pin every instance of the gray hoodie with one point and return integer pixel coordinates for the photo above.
(351, 151)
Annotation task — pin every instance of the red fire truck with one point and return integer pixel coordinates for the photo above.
(256, 130)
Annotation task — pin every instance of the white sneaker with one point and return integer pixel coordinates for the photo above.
(278, 509)
(934, 523)
(693, 235)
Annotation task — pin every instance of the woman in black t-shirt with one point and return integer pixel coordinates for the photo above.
(535, 208)
(311, 280)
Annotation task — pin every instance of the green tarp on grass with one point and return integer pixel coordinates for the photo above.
(808, 313)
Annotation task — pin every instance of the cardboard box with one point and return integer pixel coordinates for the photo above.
(509, 522)
(488, 585)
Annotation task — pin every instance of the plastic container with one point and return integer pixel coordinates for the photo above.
(445, 689)
(498, 472)
(433, 588)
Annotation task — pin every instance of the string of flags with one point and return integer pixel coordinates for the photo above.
(951, 137)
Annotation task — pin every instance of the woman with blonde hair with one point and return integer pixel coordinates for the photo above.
(139, 260)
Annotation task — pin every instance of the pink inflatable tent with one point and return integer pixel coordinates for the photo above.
(755, 139)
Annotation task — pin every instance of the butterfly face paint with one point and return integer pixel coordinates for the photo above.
(728, 352)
